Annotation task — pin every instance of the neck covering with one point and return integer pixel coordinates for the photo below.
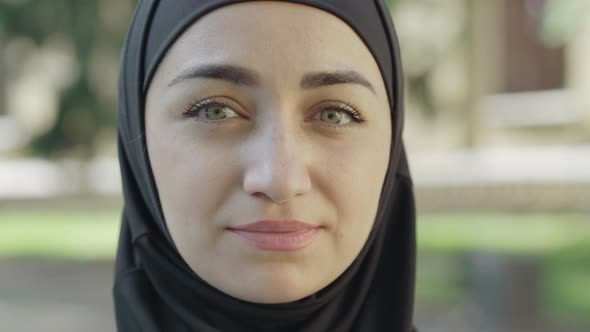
(155, 290)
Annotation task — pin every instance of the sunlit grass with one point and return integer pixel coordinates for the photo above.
(501, 232)
(87, 235)
(74, 235)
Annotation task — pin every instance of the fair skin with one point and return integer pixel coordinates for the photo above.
(275, 148)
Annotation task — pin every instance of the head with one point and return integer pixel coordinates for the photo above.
(268, 110)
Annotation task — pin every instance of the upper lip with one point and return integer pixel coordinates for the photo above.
(277, 226)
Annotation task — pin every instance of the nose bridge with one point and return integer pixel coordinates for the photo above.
(280, 140)
(277, 164)
(283, 142)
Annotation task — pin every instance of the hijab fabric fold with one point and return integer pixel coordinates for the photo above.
(155, 290)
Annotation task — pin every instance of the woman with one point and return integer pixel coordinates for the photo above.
(265, 181)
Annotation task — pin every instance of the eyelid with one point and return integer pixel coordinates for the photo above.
(215, 100)
(340, 105)
(212, 101)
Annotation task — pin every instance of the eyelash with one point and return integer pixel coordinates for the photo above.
(193, 109)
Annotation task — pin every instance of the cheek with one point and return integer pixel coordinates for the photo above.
(354, 176)
(192, 178)
(358, 167)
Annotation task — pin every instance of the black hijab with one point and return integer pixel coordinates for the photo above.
(155, 290)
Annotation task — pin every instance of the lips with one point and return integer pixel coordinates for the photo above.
(277, 235)
(275, 226)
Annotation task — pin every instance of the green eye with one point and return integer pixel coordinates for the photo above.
(336, 117)
(212, 110)
(216, 112)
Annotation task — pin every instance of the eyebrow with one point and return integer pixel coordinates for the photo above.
(246, 77)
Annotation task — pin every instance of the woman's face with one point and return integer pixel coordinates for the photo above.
(250, 116)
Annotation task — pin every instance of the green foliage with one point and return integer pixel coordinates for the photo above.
(82, 110)
(566, 291)
(562, 20)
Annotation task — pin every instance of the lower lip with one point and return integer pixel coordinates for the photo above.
(289, 241)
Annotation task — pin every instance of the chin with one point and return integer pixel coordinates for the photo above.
(274, 296)
(275, 286)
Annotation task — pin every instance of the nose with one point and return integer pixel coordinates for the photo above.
(276, 165)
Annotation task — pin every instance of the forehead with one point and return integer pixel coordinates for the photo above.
(280, 40)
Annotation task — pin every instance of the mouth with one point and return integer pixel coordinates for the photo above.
(283, 235)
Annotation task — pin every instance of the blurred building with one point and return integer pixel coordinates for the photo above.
(496, 73)
(498, 114)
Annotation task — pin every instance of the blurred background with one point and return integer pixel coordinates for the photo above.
(497, 131)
